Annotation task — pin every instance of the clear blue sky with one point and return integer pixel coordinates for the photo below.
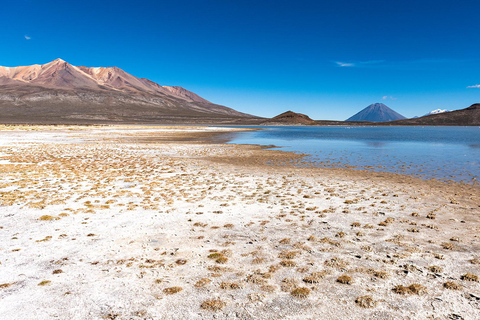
(328, 59)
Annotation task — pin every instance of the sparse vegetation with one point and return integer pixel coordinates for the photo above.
(301, 292)
(172, 290)
(213, 305)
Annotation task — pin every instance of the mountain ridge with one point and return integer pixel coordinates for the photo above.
(58, 92)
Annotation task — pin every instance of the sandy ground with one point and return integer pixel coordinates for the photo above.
(150, 223)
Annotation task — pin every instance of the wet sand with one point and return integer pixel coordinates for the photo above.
(171, 223)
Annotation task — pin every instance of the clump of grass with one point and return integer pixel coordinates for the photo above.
(221, 260)
(57, 271)
(230, 285)
(418, 289)
(5, 285)
(345, 279)
(258, 260)
(213, 305)
(431, 216)
(218, 257)
(315, 277)
(288, 254)
(47, 218)
(336, 262)
(447, 246)
(202, 283)
(288, 263)
(255, 279)
(288, 284)
(301, 292)
(229, 226)
(44, 283)
(451, 285)
(435, 269)
(469, 277)
(355, 224)
(268, 288)
(380, 274)
(285, 241)
(475, 261)
(215, 255)
(414, 288)
(172, 290)
(365, 302)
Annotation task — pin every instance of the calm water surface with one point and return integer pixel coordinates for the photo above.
(444, 153)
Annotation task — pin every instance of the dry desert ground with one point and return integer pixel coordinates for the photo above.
(171, 223)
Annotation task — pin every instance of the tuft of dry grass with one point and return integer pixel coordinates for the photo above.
(202, 283)
(345, 279)
(288, 254)
(365, 302)
(451, 285)
(5, 285)
(57, 271)
(221, 260)
(447, 246)
(288, 263)
(435, 269)
(230, 285)
(47, 218)
(414, 288)
(172, 290)
(44, 283)
(213, 305)
(301, 292)
(469, 277)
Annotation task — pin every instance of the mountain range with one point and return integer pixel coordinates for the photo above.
(58, 92)
(377, 112)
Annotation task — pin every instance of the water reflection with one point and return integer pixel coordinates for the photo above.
(443, 153)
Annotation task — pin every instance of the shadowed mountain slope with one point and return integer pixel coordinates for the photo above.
(465, 117)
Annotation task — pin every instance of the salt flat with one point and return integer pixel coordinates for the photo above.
(152, 223)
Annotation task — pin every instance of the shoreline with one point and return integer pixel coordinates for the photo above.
(126, 223)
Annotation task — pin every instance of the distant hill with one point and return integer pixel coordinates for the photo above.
(377, 112)
(465, 117)
(58, 92)
(290, 118)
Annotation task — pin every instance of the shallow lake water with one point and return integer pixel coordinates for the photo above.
(443, 153)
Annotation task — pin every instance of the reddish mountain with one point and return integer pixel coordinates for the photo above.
(58, 92)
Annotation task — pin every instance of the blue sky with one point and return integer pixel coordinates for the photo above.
(328, 59)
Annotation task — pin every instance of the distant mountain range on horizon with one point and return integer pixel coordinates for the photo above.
(58, 92)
